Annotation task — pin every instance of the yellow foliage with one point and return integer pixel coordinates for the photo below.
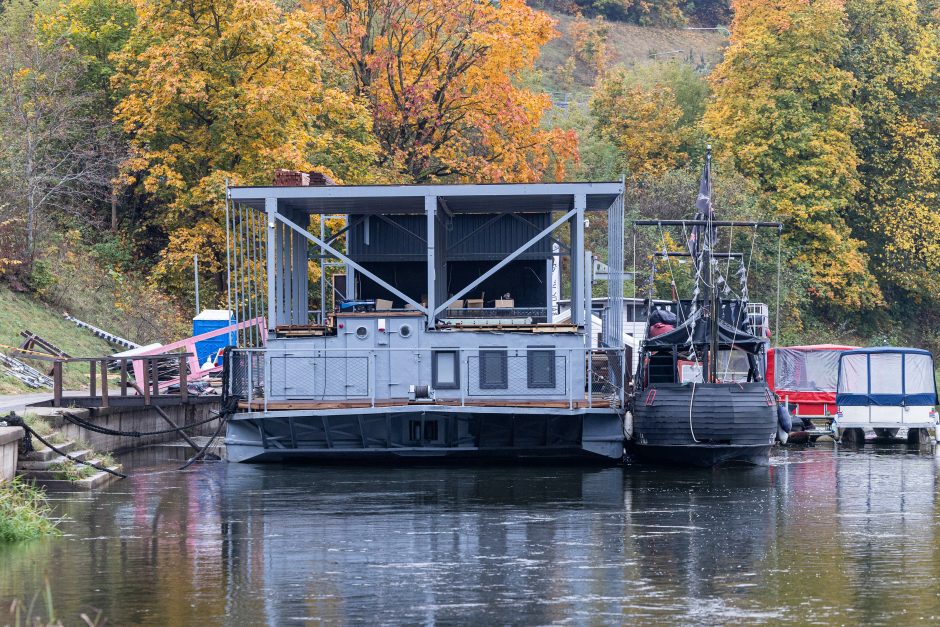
(227, 89)
(644, 124)
(782, 113)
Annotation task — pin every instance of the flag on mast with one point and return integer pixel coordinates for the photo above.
(703, 211)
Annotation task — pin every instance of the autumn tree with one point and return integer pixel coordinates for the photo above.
(652, 116)
(439, 76)
(48, 140)
(894, 56)
(641, 123)
(226, 89)
(782, 113)
(94, 31)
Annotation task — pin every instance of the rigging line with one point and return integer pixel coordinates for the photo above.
(737, 318)
(678, 302)
(777, 312)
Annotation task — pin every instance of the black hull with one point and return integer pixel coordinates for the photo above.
(427, 435)
(703, 455)
(709, 425)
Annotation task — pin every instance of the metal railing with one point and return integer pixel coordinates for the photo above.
(370, 377)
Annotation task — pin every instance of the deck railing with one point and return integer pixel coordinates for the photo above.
(140, 379)
(267, 379)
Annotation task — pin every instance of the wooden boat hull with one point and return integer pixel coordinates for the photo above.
(709, 425)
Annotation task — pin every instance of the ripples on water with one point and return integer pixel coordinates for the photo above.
(819, 536)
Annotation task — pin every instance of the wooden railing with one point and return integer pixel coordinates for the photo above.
(144, 384)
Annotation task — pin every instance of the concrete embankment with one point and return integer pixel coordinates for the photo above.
(9, 450)
(142, 419)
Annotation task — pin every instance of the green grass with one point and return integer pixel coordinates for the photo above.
(69, 470)
(44, 429)
(24, 513)
(19, 312)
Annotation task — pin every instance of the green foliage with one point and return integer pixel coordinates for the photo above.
(783, 115)
(894, 55)
(24, 513)
(41, 277)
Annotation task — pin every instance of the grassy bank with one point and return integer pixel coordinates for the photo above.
(19, 312)
(24, 513)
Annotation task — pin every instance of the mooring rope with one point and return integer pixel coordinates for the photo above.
(90, 426)
(32, 432)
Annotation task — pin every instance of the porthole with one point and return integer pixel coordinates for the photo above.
(404, 330)
(362, 333)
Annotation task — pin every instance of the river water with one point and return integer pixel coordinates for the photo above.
(822, 536)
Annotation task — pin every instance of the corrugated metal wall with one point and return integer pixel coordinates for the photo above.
(469, 237)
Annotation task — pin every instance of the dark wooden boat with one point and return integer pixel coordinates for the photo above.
(700, 395)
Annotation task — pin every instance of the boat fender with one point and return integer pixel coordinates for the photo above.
(782, 435)
(784, 419)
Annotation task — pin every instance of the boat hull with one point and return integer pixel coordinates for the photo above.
(707, 425)
(426, 435)
(704, 455)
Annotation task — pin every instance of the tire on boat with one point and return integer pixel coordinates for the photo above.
(854, 436)
(917, 437)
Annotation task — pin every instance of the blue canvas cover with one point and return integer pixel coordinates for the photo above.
(887, 375)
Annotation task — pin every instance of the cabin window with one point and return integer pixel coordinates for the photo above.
(540, 367)
(494, 369)
(445, 370)
(362, 333)
(404, 330)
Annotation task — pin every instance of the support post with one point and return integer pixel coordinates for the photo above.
(430, 209)
(577, 259)
(92, 379)
(104, 382)
(57, 383)
(145, 384)
(270, 208)
(184, 372)
(123, 377)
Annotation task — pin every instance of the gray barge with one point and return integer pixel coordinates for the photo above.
(436, 335)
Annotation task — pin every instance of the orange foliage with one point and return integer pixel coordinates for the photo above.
(439, 76)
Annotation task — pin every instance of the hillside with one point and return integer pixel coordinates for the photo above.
(19, 312)
(628, 45)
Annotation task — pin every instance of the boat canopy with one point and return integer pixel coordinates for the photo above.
(728, 336)
(886, 376)
(805, 368)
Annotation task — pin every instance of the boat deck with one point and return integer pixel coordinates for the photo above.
(259, 405)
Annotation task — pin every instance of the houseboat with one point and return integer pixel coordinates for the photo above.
(434, 335)
(700, 395)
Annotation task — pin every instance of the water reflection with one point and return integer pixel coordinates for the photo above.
(838, 536)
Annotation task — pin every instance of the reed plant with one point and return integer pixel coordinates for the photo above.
(24, 512)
